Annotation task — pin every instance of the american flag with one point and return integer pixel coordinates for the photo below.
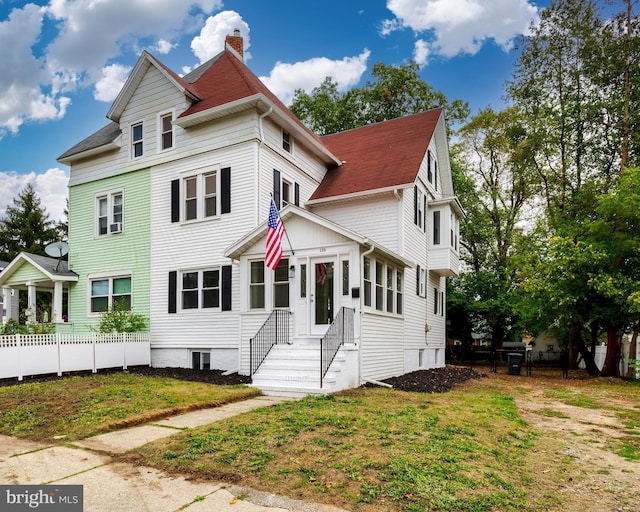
(274, 238)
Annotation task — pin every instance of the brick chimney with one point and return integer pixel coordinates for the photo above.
(236, 42)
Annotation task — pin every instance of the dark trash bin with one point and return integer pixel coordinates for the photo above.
(515, 363)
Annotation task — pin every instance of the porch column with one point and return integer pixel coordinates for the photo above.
(31, 299)
(56, 314)
(7, 303)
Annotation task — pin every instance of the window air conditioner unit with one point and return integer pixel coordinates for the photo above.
(116, 227)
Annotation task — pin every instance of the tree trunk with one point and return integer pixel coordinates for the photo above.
(577, 345)
(610, 368)
(631, 371)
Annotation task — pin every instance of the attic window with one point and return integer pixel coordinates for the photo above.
(286, 141)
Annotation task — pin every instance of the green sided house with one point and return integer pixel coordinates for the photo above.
(168, 206)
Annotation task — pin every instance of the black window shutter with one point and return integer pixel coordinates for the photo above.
(276, 188)
(175, 201)
(415, 204)
(435, 177)
(225, 190)
(418, 280)
(226, 288)
(173, 291)
(296, 194)
(424, 214)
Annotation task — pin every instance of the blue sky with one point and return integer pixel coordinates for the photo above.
(64, 61)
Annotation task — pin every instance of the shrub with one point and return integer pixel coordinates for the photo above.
(119, 318)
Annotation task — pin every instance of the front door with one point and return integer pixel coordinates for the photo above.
(322, 295)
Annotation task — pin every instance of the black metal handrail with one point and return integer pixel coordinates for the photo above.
(340, 332)
(275, 330)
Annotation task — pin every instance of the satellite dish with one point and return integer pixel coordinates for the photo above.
(57, 249)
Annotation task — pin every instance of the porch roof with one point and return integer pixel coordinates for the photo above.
(51, 269)
(243, 244)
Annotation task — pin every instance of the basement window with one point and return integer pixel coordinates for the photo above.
(200, 360)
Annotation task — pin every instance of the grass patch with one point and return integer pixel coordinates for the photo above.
(370, 449)
(550, 413)
(78, 407)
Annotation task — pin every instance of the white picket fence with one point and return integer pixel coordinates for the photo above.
(36, 354)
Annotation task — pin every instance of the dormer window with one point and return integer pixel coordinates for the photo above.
(136, 140)
(166, 131)
(286, 141)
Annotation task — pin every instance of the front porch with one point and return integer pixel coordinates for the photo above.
(44, 283)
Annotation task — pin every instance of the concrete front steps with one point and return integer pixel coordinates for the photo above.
(294, 371)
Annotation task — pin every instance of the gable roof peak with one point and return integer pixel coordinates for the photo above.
(135, 77)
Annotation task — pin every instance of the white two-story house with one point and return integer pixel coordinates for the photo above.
(168, 208)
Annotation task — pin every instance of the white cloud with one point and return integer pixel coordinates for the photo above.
(113, 78)
(48, 52)
(211, 40)
(164, 46)
(83, 41)
(462, 26)
(21, 95)
(51, 188)
(285, 78)
(421, 52)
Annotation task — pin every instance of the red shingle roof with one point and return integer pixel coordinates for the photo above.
(378, 156)
(228, 79)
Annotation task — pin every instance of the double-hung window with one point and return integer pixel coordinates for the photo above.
(109, 213)
(201, 289)
(256, 285)
(399, 308)
(106, 292)
(281, 284)
(367, 281)
(137, 144)
(419, 207)
(422, 281)
(166, 131)
(383, 286)
(389, 289)
(286, 141)
(436, 228)
(379, 286)
(200, 196)
(285, 191)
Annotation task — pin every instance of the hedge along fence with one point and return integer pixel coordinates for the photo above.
(37, 354)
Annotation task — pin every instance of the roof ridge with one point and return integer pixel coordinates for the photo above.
(379, 123)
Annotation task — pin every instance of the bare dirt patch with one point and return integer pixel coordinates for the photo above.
(593, 478)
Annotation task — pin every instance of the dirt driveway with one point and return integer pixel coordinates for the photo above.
(580, 429)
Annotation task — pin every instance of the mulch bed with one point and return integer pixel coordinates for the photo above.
(437, 380)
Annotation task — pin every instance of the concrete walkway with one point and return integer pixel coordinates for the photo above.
(110, 486)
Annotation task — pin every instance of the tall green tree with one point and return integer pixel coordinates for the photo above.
(393, 92)
(574, 81)
(26, 226)
(497, 188)
(553, 84)
(583, 286)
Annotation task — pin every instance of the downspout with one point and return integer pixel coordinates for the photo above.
(257, 184)
(366, 253)
(376, 382)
